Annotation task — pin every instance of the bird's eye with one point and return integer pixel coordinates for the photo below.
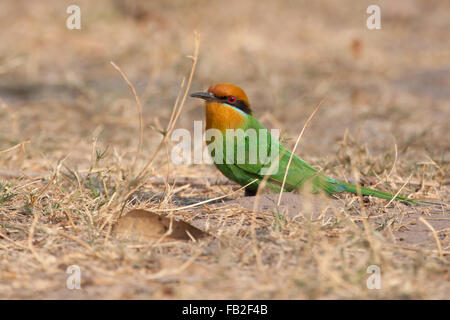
(231, 99)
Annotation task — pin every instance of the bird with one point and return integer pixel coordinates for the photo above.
(228, 108)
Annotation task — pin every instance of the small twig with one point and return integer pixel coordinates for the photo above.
(36, 215)
(398, 192)
(367, 228)
(30, 238)
(392, 169)
(263, 183)
(12, 241)
(174, 118)
(395, 162)
(75, 239)
(22, 144)
(438, 243)
(139, 105)
(69, 217)
(205, 201)
(295, 147)
(399, 246)
(167, 233)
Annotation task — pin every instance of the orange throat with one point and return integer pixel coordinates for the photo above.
(221, 116)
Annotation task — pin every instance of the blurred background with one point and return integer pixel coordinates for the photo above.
(387, 86)
(386, 113)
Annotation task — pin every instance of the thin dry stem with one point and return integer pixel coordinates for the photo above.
(139, 106)
(295, 147)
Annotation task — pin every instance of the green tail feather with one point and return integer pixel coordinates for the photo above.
(376, 193)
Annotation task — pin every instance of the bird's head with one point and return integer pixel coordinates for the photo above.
(226, 93)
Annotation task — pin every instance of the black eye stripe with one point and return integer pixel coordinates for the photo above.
(240, 104)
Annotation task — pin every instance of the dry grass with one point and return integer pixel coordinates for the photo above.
(68, 121)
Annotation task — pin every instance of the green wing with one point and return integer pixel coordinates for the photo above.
(270, 152)
(300, 173)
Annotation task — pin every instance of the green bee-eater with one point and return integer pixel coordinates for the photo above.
(227, 107)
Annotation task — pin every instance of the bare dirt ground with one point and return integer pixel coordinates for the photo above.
(69, 141)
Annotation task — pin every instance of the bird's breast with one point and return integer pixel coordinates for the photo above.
(222, 117)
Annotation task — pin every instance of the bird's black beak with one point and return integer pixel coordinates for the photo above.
(203, 95)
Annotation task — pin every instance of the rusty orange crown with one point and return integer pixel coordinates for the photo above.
(228, 89)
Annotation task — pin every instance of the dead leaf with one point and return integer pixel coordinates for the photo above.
(146, 225)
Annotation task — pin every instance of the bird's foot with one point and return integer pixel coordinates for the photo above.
(250, 192)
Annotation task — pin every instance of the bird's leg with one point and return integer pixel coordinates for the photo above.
(250, 192)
